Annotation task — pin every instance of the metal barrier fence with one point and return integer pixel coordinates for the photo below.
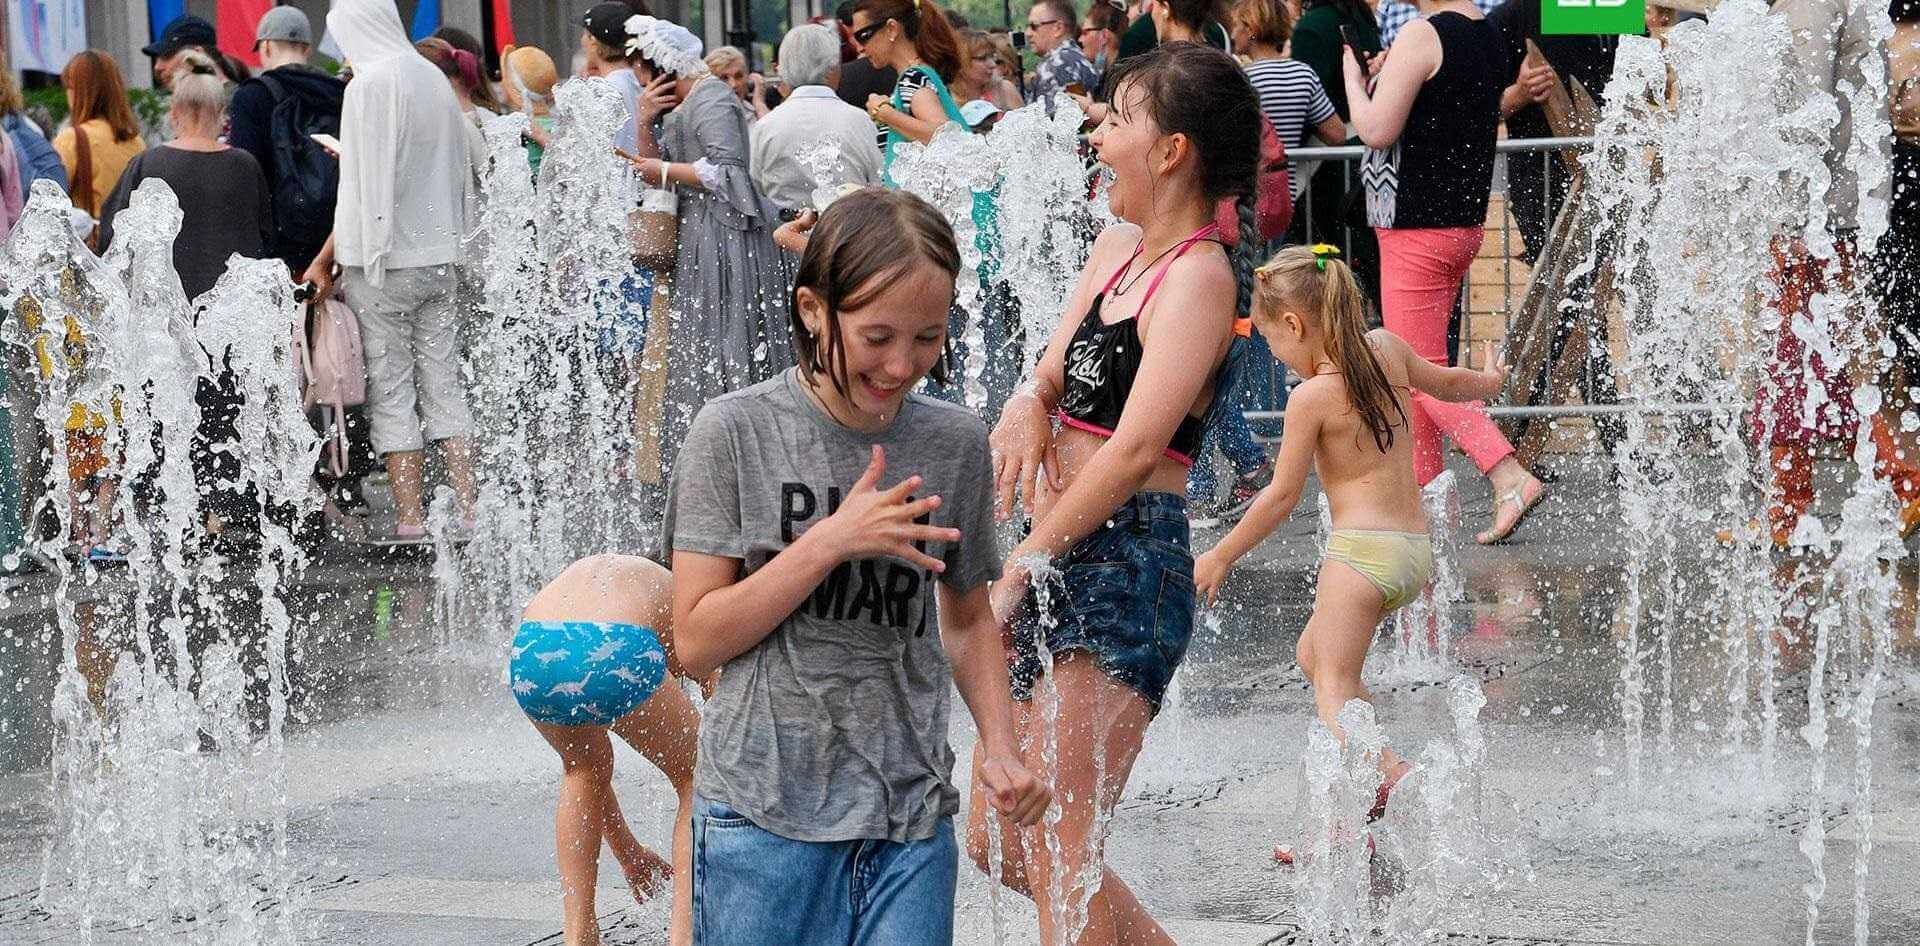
(1511, 246)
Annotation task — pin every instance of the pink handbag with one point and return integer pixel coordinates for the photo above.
(334, 367)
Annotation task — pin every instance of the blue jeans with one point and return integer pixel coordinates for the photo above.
(752, 887)
(1259, 388)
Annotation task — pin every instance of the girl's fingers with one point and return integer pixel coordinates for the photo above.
(920, 507)
(931, 534)
(912, 556)
(875, 467)
(1056, 474)
(899, 492)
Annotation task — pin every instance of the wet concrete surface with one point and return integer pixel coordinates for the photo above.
(422, 802)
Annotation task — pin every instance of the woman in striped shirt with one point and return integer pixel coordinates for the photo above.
(1290, 93)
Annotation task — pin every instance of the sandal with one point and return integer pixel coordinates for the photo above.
(1517, 498)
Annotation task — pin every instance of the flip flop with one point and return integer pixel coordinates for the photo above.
(1518, 498)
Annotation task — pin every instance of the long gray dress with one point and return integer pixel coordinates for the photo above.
(729, 300)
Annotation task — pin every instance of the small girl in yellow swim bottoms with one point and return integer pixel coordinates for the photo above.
(1348, 420)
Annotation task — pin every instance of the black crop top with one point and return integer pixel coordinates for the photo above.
(1104, 358)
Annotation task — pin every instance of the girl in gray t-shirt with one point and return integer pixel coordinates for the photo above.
(841, 608)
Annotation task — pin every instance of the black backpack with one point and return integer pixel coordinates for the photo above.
(307, 178)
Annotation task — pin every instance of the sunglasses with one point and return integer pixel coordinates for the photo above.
(1036, 24)
(865, 34)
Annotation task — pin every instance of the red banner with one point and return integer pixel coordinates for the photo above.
(235, 22)
(502, 24)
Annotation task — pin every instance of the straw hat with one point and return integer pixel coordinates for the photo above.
(529, 76)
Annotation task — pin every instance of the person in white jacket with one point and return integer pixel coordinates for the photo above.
(405, 179)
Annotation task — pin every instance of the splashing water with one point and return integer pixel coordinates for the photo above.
(1029, 171)
(169, 787)
(1334, 849)
(1734, 183)
(556, 374)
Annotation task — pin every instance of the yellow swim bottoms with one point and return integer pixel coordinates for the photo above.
(1398, 563)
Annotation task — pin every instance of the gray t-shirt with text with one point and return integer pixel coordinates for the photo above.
(834, 727)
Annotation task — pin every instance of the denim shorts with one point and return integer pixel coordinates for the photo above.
(752, 887)
(1124, 595)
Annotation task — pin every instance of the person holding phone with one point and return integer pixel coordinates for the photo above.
(728, 308)
(1429, 119)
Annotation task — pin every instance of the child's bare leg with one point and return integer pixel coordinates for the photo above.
(647, 873)
(666, 730)
(631, 590)
(102, 526)
(1346, 609)
(586, 782)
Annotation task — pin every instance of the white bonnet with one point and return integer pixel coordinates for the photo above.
(667, 45)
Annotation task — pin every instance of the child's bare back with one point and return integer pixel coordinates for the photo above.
(1366, 487)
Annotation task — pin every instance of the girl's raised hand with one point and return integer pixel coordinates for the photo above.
(1023, 450)
(1494, 367)
(873, 522)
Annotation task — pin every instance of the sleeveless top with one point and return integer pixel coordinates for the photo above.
(986, 218)
(1440, 172)
(1104, 358)
(911, 81)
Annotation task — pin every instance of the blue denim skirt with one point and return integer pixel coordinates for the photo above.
(1124, 595)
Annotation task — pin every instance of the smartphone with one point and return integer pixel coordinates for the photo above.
(1347, 38)
(327, 141)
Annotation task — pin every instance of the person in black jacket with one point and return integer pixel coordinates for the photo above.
(284, 40)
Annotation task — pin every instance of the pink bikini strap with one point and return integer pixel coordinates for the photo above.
(1198, 236)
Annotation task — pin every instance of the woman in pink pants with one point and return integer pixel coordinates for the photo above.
(1430, 120)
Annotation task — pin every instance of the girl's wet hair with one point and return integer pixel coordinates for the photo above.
(863, 242)
(922, 22)
(1202, 93)
(1321, 289)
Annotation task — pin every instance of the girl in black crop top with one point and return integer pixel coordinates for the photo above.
(1128, 378)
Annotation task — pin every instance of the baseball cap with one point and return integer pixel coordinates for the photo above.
(607, 22)
(285, 24)
(188, 30)
(977, 111)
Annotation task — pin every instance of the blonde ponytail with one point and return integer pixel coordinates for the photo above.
(1313, 282)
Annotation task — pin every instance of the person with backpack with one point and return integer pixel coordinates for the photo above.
(272, 115)
(406, 181)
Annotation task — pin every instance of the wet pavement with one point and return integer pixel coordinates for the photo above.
(421, 800)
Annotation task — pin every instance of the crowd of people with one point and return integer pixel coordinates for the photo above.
(830, 499)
